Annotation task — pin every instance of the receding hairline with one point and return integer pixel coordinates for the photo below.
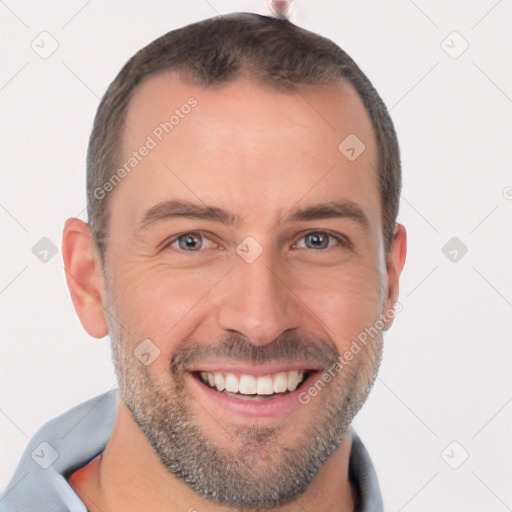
(184, 77)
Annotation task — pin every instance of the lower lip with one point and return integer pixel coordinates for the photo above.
(278, 407)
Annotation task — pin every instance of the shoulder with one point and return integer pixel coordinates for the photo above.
(59, 447)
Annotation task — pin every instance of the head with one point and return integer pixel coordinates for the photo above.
(243, 183)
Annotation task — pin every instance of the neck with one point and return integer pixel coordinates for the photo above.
(129, 476)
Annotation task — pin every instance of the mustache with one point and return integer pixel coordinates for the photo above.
(235, 347)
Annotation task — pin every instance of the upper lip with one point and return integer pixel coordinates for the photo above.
(257, 370)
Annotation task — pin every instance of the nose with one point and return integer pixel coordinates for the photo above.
(257, 301)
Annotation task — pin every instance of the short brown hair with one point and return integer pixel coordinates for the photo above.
(217, 50)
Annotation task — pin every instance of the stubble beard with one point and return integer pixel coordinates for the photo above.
(254, 467)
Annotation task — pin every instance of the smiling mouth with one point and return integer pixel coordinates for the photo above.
(252, 387)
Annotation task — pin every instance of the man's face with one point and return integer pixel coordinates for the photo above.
(259, 312)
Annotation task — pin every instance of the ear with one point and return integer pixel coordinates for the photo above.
(84, 277)
(394, 265)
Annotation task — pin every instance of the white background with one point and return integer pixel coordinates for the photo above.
(446, 370)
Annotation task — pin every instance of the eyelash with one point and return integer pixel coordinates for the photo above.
(342, 241)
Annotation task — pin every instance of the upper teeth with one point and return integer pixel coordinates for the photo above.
(251, 385)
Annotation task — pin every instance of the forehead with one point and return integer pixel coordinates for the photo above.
(253, 148)
(311, 110)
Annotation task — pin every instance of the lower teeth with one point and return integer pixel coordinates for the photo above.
(250, 397)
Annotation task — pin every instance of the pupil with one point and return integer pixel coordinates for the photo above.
(189, 242)
(317, 240)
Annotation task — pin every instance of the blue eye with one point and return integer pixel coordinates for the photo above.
(195, 241)
(320, 240)
(190, 242)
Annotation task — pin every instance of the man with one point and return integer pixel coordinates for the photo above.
(242, 252)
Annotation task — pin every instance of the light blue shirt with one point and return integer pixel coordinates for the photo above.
(74, 438)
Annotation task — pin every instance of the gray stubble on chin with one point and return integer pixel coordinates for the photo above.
(256, 469)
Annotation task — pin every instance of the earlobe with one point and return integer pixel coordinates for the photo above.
(394, 265)
(84, 277)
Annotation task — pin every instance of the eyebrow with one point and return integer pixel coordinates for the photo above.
(178, 208)
(175, 209)
(330, 210)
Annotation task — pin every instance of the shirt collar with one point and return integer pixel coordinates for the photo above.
(362, 474)
(74, 438)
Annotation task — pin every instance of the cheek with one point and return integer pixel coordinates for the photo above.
(347, 303)
(153, 300)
